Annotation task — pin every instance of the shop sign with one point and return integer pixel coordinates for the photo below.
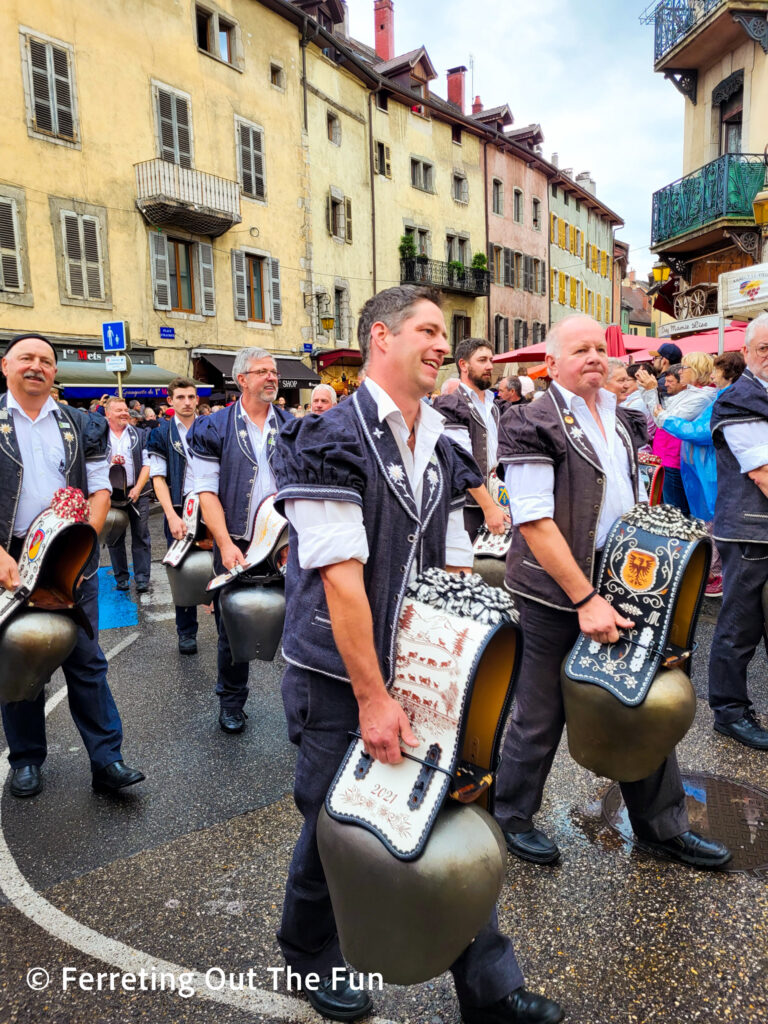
(698, 323)
(743, 290)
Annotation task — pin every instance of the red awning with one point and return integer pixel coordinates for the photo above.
(535, 353)
(704, 342)
(342, 356)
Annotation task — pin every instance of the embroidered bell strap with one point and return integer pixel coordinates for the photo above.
(498, 490)
(40, 536)
(652, 474)
(191, 518)
(270, 533)
(641, 574)
(437, 657)
(493, 545)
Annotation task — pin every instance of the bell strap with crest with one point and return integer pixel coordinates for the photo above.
(270, 534)
(175, 554)
(456, 657)
(653, 571)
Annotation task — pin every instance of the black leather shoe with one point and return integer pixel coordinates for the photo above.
(519, 1007)
(123, 586)
(532, 845)
(232, 720)
(340, 1001)
(26, 781)
(187, 645)
(692, 849)
(746, 730)
(115, 776)
(142, 588)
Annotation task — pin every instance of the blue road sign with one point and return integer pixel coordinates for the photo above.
(167, 332)
(113, 336)
(307, 346)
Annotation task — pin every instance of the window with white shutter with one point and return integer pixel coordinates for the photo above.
(274, 286)
(239, 285)
(160, 269)
(11, 277)
(174, 125)
(250, 150)
(50, 89)
(82, 257)
(207, 285)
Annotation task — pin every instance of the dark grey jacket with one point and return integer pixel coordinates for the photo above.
(460, 411)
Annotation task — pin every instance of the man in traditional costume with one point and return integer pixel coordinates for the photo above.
(374, 492)
(127, 446)
(570, 468)
(44, 447)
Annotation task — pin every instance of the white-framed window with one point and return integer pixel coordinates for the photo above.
(333, 125)
(173, 124)
(460, 187)
(217, 34)
(256, 287)
(49, 88)
(517, 209)
(457, 248)
(82, 254)
(251, 161)
(536, 214)
(382, 159)
(497, 197)
(338, 215)
(182, 275)
(277, 75)
(422, 175)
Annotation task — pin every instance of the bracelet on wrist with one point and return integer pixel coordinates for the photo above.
(584, 600)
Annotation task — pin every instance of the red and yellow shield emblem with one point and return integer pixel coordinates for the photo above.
(34, 545)
(639, 569)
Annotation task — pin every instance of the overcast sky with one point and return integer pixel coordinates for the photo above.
(582, 69)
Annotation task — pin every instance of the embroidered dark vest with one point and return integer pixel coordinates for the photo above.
(137, 444)
(165, 442)
(459, 410)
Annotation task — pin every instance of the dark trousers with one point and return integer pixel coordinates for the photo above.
(740, 627)
(321, 712)
(473, 520)
(186, 616)
(91, 703)
(141, 549)
(232, 681)
(656, 804)
(673, 492)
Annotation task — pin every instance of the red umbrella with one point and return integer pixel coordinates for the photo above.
(618, 345)
(707, 341)
(615, 341)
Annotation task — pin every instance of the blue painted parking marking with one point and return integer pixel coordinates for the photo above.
(116, 607)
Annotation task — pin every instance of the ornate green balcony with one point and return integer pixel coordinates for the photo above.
(722, 190)
(449, 277)
(675, 19)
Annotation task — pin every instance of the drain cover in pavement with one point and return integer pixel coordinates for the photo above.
(735, 814)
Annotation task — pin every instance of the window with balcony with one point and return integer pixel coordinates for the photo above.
(730, 123)
(250, 157)
(460, 188)
(173, 125)
(497, 197)
(15, 284)
(338, 215)
(49, 88)
(382, 160)
(536, 214)
(518, 207)
(182, 275)
(333, 127)
(216, 34)
(256, 287)
(422, 175)
(80, 244)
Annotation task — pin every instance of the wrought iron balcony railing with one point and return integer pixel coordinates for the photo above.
(724, 188)
(467, 280)
(168, 194)
(674, 19)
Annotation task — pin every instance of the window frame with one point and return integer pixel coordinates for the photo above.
(240, 123)
(174, 243)
(333, 127)
(216, 16)
(59, 207)
(518, 206)
(460, 188)
(383, 157)
(536, 208)
(497, 197)
(279, 68)
(26, 35)
(426, 182)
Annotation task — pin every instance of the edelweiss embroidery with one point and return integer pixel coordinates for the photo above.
(378, 433)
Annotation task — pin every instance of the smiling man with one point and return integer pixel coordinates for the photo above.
(374, 491)
(571, 471)
(232, 453)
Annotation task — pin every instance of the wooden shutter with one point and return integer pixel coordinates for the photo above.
(161, 276)
(239, 285)
(505, 333)
(552, 228)
(175, 134)
(376, 166)
(73, 255)
(525, 333)
(509, 268)
(10, 257)
(274, 291)
(387, 162)
(62, 91)
(563, 234)
(166, 122)
(329, 214)
(207, 281)
(348, 219)
(41, 92)
(94, 272)
(528, 273)
(183, 132)
(252, 161)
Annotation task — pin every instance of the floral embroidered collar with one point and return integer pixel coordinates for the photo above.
(10, 446)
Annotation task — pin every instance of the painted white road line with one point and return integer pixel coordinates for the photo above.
(115, 953)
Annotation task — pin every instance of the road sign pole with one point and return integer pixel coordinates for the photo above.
(119, 384)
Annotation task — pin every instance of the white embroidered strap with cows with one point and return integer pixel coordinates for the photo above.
(270, 534)
(191, 519)
(445, 624)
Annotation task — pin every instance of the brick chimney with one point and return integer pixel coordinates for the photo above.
(477, 106)
(632, 277)
(456, 86)
(384, 17)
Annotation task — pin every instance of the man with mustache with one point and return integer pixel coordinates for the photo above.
(472, 418)
(374, 492)
(44, 446)
(232, 465)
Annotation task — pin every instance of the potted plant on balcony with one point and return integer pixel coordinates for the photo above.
(479, 269)
(455, 271)
(408, 253)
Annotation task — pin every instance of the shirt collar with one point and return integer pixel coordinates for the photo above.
(49, 407)
(429, 419)
(606, 400)
(270, 421)
(486, 400)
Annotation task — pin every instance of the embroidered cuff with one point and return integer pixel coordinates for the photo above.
(318, 492)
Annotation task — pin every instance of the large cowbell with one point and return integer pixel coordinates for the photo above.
(114, 526)
(39, 620)
(628, 704)
(414, 870)
(189, 561)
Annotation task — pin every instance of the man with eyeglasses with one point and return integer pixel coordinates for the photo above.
(232, 452)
